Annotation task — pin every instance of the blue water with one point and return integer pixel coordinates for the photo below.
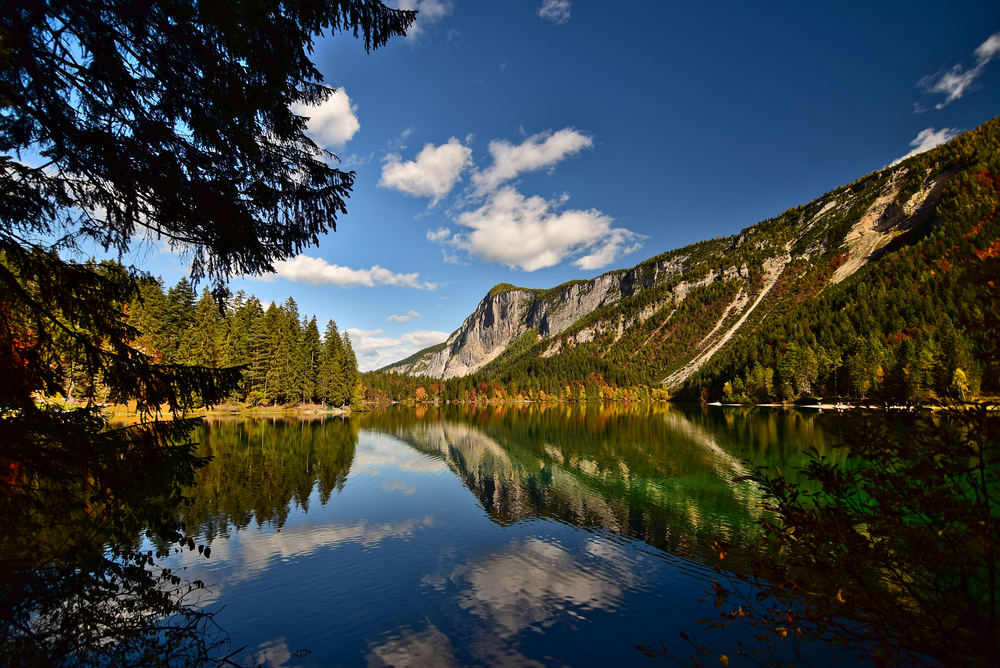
(405, 566)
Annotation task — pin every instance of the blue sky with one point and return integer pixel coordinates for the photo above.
(538, 141)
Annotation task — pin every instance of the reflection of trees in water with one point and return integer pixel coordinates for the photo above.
(261, 468)
(659, 473)
(75, 588)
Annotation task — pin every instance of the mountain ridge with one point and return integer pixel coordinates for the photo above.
(672, 314)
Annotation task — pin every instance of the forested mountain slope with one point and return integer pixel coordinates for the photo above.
(884, 286)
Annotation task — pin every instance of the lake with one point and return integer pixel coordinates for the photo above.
(540, 535)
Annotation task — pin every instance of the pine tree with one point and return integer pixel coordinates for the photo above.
(146, 313)
(332, 383)
(350, 366)
(178, 317)
(310, 348)
(283, 352)
(238, 350)
(204, 339)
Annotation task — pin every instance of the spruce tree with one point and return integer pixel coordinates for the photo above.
(332, 383)
(310, 348)
(238, 350)
(204, 338)
(178, 317)
(285, 353)
(146, 313)
(350, 367)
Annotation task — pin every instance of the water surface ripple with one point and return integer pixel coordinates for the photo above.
(490, 536)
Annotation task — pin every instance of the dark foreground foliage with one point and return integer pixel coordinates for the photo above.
(893, 557)
(121, 123)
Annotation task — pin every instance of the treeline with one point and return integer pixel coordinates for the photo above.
(284, 358)
(919, 324)
(574, 376)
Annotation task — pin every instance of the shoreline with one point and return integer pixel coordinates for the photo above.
(123, 412)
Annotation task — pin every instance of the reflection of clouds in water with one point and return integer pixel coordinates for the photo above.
(243, 560)
(536, 583)
(398, 486)
(431, 648)
(528, 583)
(377, 451)
(271, 654)
(408, 649)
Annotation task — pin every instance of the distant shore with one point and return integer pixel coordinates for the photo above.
(128, 412)
(122, 412)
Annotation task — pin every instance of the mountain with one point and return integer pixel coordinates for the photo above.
(880, 286)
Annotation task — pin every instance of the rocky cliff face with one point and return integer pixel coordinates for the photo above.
(507, 313)
(630, 314)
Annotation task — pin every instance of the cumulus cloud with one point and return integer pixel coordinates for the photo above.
(556, 11)
(410, 315)
(927, 139)
(374, 350)
(429, 13)
(527, 233)
(333, 122)
(955, 82)
(317, 271)
(534, 153)
(433, 173)
(438, 235)
(531, 233)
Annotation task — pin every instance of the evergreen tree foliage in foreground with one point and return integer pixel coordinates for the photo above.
(168, 122)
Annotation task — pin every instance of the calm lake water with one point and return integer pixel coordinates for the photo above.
(512, 536)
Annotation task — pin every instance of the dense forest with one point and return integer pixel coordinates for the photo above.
(284, 358)
(916, 322)
(919, 324)
(573, 376)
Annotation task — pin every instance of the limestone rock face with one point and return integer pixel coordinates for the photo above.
(852, 225)
(505, 315)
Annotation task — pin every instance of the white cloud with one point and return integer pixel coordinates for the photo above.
(438, 235)
(534, 153)
(429, 13)
(530, 234)
(354, 160)
(989, 49)
(927, 139)
(434, 173)
(556, 11)
(331, 123)
(317, 271)
(525, 233)
(410, 315)
(955, 82)
(374, 350)
(399, 143)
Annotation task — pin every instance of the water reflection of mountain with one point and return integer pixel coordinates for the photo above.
(260, 469)
(657, 473)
